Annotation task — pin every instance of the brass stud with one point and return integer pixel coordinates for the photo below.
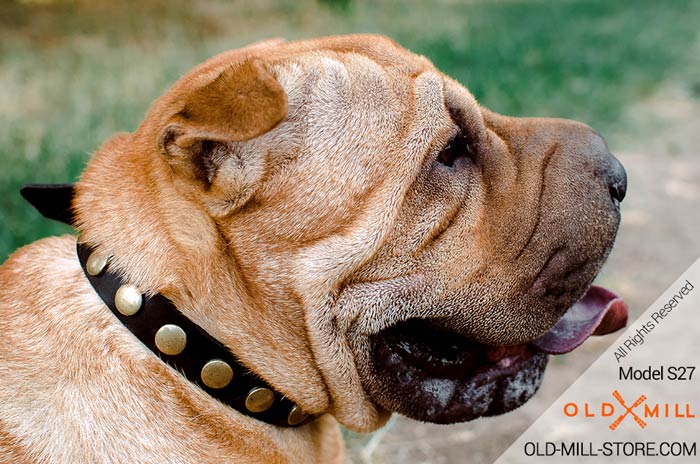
(296, 415)
(97, 262)
(216, 374)
(171, 339)
(259, 399)
(128, 300)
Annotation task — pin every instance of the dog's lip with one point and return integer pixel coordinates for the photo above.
(470, 380)
(449, 378)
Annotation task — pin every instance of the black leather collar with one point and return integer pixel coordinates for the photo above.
(159, 325)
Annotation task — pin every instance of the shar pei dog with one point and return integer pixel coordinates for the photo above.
(301, 234)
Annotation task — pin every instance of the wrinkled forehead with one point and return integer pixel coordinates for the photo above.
(379, 60)
(368, 69)
(365, 83)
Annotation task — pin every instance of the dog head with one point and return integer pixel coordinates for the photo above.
(390, 244)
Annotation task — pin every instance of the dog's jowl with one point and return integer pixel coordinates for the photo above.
(301, 233)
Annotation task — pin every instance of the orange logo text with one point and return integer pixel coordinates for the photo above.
(640, 410)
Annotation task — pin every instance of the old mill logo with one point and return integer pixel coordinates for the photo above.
(640, 410)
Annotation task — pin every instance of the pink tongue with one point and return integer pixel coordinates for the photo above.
(599, 312)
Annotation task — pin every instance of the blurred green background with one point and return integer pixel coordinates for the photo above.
(74, 72)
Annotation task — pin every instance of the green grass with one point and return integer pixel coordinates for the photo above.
(72, 73)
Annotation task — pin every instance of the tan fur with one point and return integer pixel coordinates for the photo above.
(288, 243)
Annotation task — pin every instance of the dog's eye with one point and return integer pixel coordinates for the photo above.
(456, 148)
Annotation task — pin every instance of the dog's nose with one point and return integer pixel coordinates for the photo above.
(617, 179)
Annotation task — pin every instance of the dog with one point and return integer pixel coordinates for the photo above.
(338, 230)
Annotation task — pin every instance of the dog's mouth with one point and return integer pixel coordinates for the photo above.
(437, 375)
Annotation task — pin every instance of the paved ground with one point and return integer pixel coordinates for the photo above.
(659, 238)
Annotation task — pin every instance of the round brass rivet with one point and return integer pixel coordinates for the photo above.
(296, 415)
(171, 339)
(128, 300)
(259, 399)
(216, 374)
(97, 262)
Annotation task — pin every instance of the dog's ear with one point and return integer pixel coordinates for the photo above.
(244, 101)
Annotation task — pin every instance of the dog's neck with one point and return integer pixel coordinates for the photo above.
(135, 219)
(186, 347)
(166, 244)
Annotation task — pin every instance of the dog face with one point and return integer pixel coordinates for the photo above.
(409, 241)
